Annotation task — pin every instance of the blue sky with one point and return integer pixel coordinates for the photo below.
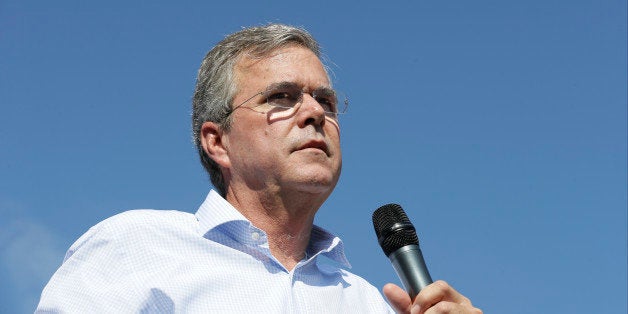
(500, 127)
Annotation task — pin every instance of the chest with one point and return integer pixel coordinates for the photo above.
(213, 277)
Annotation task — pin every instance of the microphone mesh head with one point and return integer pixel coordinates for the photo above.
(393, 228)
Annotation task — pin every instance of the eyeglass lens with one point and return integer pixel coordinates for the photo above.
(288, 95)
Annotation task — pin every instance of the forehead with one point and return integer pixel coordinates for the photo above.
(286, 64)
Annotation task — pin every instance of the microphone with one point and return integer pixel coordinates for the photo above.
(397, 237)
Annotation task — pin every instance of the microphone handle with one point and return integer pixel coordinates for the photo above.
(410, 267)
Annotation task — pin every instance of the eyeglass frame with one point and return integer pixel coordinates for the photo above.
(276, 87)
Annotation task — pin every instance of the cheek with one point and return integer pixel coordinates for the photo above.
(334, 139)
(267, 143)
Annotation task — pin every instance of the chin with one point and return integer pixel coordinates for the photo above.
(315, 178)
(313, 193)
(316, 185)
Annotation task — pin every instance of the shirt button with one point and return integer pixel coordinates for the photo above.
(255, 236)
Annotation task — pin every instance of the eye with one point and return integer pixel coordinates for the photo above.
(283, 99)
(278, 96)
(327, 104)
(285, 95)
(327, 99)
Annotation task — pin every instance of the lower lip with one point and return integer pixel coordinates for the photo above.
(312, 149)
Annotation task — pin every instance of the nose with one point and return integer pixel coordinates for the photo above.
(310, 112)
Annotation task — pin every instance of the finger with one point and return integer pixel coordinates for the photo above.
(437, 292)
(398, 298)
(452, 308)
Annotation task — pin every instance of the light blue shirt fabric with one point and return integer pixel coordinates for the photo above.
(154, 261)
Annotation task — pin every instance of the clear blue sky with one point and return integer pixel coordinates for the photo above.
(500, 126)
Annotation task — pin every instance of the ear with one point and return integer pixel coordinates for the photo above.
(213, 145)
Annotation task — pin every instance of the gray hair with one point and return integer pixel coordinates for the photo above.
(216, 86)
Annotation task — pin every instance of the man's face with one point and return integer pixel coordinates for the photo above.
(282, 151)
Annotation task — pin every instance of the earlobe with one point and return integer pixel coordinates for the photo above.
(212, 141)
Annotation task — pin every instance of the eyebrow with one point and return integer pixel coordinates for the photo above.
(291, 83)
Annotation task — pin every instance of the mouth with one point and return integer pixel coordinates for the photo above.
(315, 144)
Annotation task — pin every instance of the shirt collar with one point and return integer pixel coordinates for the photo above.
(326, 243)
(216, 211)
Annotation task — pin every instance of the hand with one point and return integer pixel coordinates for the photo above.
(438, 297)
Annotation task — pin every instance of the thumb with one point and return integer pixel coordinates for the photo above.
(398, 298)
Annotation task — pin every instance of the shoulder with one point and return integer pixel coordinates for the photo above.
(359, 282)
(105, 269)
(367, 294)
(357, 286)
(134, 227)
(145, 219)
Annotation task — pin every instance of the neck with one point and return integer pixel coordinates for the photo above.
(287, 221)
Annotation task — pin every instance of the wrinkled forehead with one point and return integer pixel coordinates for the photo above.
(288, 60)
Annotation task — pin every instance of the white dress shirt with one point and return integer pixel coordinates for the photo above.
(155, 261)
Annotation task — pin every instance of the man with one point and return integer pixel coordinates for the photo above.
(265, 122)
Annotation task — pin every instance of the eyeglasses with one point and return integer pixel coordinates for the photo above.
(288, 95)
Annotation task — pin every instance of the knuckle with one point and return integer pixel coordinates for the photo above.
(441, 284)
(444, 307)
